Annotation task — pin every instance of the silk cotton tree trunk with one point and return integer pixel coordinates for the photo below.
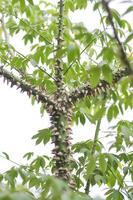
(60, 113)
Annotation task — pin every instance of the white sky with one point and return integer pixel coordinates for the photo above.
(20, 120)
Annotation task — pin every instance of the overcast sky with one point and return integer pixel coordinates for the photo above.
(20, 120)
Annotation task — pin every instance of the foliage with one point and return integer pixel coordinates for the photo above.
(88, 59)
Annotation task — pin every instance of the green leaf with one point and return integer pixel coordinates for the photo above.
(116, 111)
(82, 118)
(96, 6)
(130, 9)
(21, 196)
(108, 54)
(38, 163)
(44, 136)
(112, 112)
(111, 180)
(31, 2)
(129, 38)
(100, 113)
(6, 155)
(91, 165)
(28, 155)
(14, 1)
(69, 5)
(94, 76)
(23, 175)
(116, 195)
(107, 73)
(22, 5)
(1, 177)
(73, 52)
(102, 163)
(33, 182)
(11, 176)
(16, 62)
(80, 4)
(116, 16)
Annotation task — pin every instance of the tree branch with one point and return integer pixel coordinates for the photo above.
(25, 87)
(122, 52)
(103, 86)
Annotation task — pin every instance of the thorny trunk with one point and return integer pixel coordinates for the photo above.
(60, 113)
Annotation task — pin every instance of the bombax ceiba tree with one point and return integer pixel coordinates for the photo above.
(73, 73)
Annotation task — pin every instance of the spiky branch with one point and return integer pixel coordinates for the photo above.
(103, 86)
(25, 87)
